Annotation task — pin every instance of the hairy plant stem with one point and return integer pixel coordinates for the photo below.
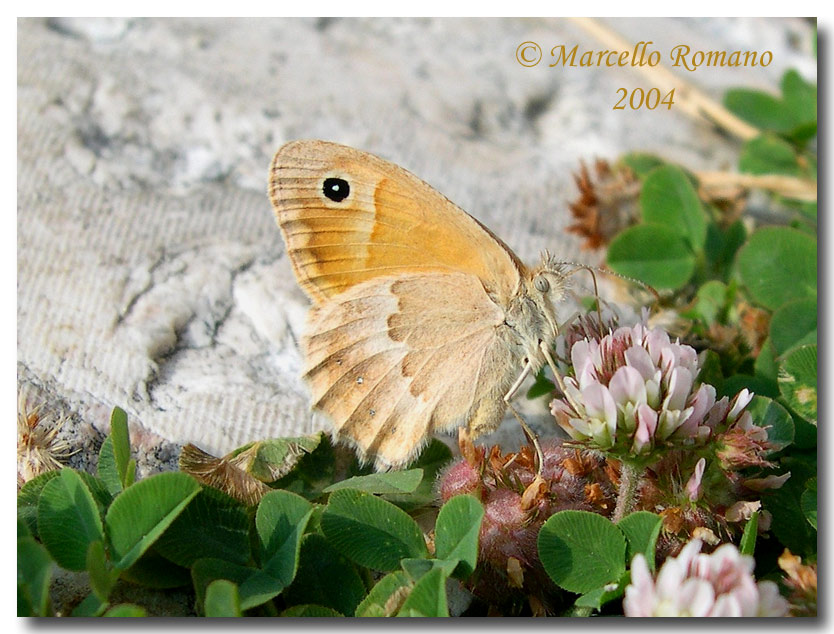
(629, 481)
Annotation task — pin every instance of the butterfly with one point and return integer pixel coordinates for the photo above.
(422, 319)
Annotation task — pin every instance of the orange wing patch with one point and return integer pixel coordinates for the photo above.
(348, 217)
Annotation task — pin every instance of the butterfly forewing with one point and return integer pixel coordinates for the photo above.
(348, 216)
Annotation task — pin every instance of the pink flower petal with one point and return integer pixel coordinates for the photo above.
(680, 384)
(695, 597)
(724, 606)
(600, 404)
(701, 402)
(580, 358)
(638, 358)
(655, 341)
(639, 595)
(559, 407)
(646, 427)
(741, 401)
(693, 486)
(627, 386)
(771, 603)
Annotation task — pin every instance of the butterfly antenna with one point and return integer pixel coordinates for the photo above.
(593, 269)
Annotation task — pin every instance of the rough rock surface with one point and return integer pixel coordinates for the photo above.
(151, 274)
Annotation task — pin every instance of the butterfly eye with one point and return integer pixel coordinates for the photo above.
(336, 189)
(541, 284)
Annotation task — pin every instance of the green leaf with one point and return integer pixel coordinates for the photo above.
(760, 109)
(808, 502)
(325, 577)
(27, 500)
(765, 366)
(747, 545)
(541, 386)
(222, 599)
(788, 523)
(269, 460)
(23, 529)
(428, 597)
(711, 302)
(640, 163)
(775, 419)
(255, 587)
(152, 570)
(310, 610)
(126, 610)
(767, 154)
(798, 381)
(313, 472)
(732, 385)
(778, 265)
(795, 114)
(794, 323)
(107, 470)
(641, 530)
(102, 577)
(125, 467)
(141, 513)
(653, 254)
(34, 573)
(598, 597)
(416, 568)
(456, 533)
(68, 520)
(805, 436)
(377, 601)
(101, 495)
(800, 99)
(431, 460)
(91, 605)
(370, 531)
(280, 520)
(711, 369)
(807, 210)
(669, 199)
(721, 248)
(581, 551)
(212, 525)
(388, 482)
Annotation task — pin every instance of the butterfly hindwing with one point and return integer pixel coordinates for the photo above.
(394, 359)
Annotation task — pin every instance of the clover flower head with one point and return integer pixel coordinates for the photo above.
(633, 389)
(697, 584)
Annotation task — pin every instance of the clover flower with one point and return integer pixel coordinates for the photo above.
(633, 390)
(698, 584)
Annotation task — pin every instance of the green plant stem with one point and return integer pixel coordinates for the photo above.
(629, 480)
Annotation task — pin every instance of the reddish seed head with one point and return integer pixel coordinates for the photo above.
(458, 479)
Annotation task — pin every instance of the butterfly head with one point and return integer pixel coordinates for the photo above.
(549, 277)
(545, 285)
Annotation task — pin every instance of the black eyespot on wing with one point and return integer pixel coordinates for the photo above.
(336, 189)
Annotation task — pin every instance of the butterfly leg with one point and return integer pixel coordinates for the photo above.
(556, 374)
(531, 436)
